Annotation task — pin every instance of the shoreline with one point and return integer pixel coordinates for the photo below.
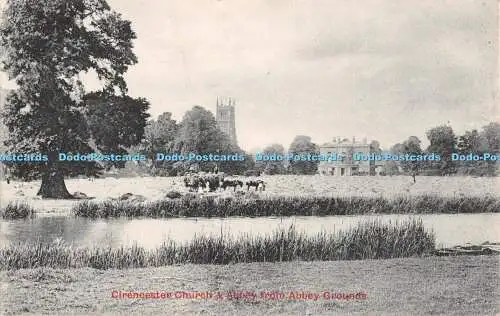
(254, 205)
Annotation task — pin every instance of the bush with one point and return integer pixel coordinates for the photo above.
(173, 195)
(17, 211)
(252, 173)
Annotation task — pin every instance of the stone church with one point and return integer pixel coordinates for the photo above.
(225, 117)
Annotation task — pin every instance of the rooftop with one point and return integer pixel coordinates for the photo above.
(345, 142)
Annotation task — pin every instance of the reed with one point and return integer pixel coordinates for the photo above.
(367, 240)
(15, 210)
(211, 206)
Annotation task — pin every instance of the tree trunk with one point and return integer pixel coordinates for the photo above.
(53, 186)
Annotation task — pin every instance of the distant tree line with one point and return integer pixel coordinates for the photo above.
(444, 142)
(198, 132)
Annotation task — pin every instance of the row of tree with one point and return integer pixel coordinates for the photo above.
(444, 142)
(198, 133)
(46, 45)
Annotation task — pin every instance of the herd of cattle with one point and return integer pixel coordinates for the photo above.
(215, 182)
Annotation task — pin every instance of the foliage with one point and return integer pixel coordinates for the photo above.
(478, 143)
(47, 45)
(17, 211)
(442, 142)
(116, 122)
(392, 167)
(289, 206)
(491, 136)
(173, 195)
(198, 133)
(412, 147)
(159, 137)
(375, 149)
(472, 142)
(367, 240)
(302, 145)
(271, 167)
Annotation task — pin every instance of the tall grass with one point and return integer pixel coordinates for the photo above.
(368, 240)
(17, 211)
(210, 206)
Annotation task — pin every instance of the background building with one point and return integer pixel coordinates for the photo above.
(348, 166)
(225, 117)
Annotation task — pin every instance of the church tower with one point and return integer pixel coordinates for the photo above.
(225, 117)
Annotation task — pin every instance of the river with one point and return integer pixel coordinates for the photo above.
(449, 229)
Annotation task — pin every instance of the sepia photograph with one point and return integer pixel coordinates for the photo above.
(265, 157)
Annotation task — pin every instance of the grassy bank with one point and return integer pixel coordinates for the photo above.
(368, 240)
(211, 206)
(466, 285)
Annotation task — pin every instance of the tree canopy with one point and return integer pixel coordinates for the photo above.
(272, 167)
(198, 133)
(116, 122)
(303, 145)
(47, 46)
(443, 142)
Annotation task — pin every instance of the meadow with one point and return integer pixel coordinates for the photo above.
(463, 190)
(464, 285)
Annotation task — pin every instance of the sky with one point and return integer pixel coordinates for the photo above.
(380, 69)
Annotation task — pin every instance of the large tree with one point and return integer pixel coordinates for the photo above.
(159, 137)
(272, 166)
(442, 142)
(198, 133)
(375, 149)
(302, 145)
(491, 134)
(391, 167)
(471, 142)
(412, 147)
(491, 137)
(47, 45)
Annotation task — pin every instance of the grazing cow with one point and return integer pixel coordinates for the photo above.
(258, 184)
(208, 182)
(214, 183)
(231, 183)
(193, 183)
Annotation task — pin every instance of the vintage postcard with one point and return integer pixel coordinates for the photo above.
(238, 157)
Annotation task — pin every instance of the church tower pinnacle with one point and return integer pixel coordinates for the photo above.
(225, 117)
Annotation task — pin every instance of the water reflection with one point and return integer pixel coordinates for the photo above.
(450, 230)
